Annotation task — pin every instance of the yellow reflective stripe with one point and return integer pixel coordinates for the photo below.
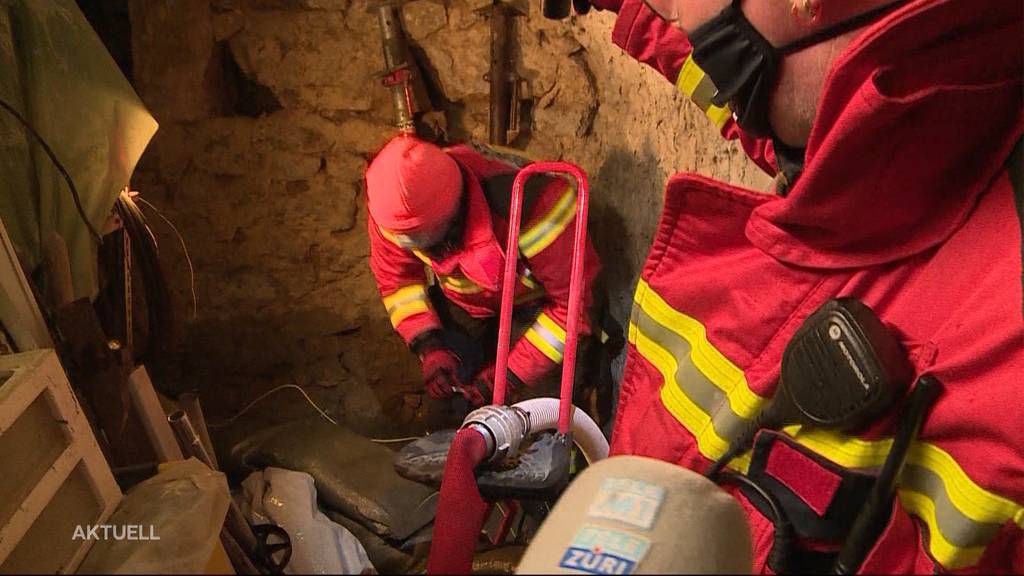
(945, 553)
(404, 294)
(955, 508)
(528, 281)
(542, 233)
(681, 406)
(548, 337)
(542, 344)
(972, 500)
(696, 85)
(411, 309)
(464, 285)
(405, 302)
(394, 240)
(719, 370)
(460, 284)
(389, 237)
(535, 289)
(718, 115)
(690, 76)
(961, 516)
(548, 322)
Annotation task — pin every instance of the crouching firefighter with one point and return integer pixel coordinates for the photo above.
(437, 226)
(893, 123)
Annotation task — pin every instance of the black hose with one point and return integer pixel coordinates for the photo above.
(772, 417)
(60, 167)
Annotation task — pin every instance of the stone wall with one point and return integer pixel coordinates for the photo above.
(269, 110)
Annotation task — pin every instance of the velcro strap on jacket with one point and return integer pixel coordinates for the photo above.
(820, 498)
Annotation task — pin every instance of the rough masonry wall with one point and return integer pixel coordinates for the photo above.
(269, 110)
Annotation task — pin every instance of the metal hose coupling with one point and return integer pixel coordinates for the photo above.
(503, 429)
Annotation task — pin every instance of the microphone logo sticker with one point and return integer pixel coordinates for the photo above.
(597, 550)
(629, 501)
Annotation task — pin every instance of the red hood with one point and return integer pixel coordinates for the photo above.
(916, 120)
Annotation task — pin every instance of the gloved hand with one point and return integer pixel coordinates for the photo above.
(440, 366)
(481, 391)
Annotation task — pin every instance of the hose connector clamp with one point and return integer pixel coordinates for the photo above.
(503, 429)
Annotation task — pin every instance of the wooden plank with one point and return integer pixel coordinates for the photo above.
(101, 479)
(19, 311)
(153, 417)
(40, 372)
(20, 389)
(30, 509)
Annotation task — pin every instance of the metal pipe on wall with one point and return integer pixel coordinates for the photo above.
(501, 97)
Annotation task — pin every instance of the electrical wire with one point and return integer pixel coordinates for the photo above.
(184, 247)
(56, 162)
(779, 555)
(264, 396)
(310, 401)
(159, 313)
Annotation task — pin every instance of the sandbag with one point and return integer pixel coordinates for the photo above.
(387, 557)
(353, 475)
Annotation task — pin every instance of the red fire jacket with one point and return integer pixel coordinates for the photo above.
(471, 276)
(647, 37)
(904, 203)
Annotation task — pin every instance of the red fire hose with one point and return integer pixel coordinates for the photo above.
(461, 510)
(457, 527)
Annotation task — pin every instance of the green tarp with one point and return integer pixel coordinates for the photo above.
(57, 73)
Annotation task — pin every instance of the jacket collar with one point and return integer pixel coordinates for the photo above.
(914, 124)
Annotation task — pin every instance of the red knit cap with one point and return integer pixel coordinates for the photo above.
(412, 185)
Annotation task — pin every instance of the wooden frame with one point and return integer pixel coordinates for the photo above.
(38, 374)
(19, 311)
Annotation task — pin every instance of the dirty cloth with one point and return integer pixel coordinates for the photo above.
(353, 475)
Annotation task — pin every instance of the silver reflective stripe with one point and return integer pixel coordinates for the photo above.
(957, 528)
(548, 337)
(418, 296)
(541, 234)
(960, 517)
(704, 92)
(691, 381)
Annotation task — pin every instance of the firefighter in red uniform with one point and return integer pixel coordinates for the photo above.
(442, 213)
(889, 124)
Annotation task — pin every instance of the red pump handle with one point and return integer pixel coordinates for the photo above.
(575, 284)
